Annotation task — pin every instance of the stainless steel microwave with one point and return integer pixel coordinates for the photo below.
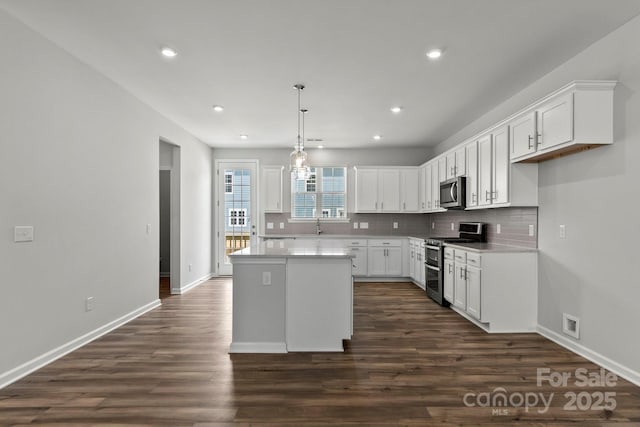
(453, 193)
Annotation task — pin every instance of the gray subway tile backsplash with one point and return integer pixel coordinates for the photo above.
(514, 224)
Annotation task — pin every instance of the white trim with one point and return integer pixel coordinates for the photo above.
(312, 348)
(257, 347)
(487, 326)
(315, 219)
(36, 363)
(258, 259)
(187, 288)
(597, 358)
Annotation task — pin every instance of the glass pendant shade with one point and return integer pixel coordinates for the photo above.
(299, 166)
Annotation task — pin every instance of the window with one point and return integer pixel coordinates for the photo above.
(324, 192)
(237, 217)
(228, 182)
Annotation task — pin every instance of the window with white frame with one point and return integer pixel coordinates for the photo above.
(237, 217)
(323, 192)
(228, 182)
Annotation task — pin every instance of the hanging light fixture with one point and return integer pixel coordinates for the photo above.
(299, 163)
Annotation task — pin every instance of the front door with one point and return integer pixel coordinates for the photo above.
(236, 210)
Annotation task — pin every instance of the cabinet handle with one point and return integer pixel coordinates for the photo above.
(429, 205)
(422, 205)
(381, 205)
(539, 140)
(404, 205)
(494, 195)
(376, 205)
(487, 196)
(278, 205)
(530, 142)
(473, 197)
(450, 268)
(461, 272)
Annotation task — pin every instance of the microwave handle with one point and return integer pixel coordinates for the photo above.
(454, 189)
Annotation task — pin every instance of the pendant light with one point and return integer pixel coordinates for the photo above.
(299, 164)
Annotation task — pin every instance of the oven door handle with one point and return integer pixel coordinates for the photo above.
(430, 267)
(437, 248)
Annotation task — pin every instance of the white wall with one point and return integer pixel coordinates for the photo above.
(80, 163)
(593, 273)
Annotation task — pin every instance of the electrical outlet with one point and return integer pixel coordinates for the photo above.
(269, 226)
(282, 226)
(395, 225)
(563, 231)
(532, 230)
(148, 228)
(88, 304)
(355, 225)
(190, 267)
(498, 229)
(433, 225)
(23, 233)
(266, 278)
(364, 225)
(453, 226)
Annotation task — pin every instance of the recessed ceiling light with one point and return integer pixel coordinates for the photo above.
(396, 109)
(434, 54)
(243, 136)
(218, 108)
(377, 137)
(321, 146)
(168, 52)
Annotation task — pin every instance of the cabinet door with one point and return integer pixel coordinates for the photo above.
(461, 160)
(422, 189)
(428, 184)
(460, 286)
(409, 189)
(448, 285)
(555, 122)
(472, 174)
(484, 171)
(359, 261)
(366, 190)
(442, 170)
(389, 190)
(272, 185)
(500, 190)
(435, 186)
(377, 261)
(523, 133)
(474, 292)
(450, 165)
(412, 260)
(394, 261)
(420, 265)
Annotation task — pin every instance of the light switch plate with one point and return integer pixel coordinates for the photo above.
(563, 231)
(355, 225)
(269, 226)
(266, 278)
(395, 225)
(433, 225)
(453, 226)
(281, 225)
(364, 225)
(23, 233)
(498, 229)
(532, 230)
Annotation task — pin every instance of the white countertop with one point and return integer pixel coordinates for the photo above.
(489, 247)
(286, 248)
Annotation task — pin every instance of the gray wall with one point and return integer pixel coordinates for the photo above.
(80, 164)
(592, 273)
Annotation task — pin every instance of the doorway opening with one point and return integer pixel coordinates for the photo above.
(169, 220)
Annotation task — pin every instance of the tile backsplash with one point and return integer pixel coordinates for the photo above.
(514, 225)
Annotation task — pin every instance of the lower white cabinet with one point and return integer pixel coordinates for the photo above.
(385, 257)
(416, 261)
(360, 260)
(498, 291)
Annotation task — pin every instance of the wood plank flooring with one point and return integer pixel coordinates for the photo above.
(410, 362)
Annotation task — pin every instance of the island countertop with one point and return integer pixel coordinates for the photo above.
(290, 249)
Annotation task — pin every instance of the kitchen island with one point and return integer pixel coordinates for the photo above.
(288, 297)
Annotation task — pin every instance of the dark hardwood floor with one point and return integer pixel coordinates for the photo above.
(410, 363)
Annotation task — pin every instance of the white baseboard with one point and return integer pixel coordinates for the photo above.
(597, 358)
(15, 374)
(191, 285)
(258, 347)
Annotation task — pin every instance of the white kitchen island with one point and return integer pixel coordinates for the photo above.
(289, 298)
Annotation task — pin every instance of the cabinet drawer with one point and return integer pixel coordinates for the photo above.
(355, 242)
(448, 253)
(460, 256)
(385, 242)
(473, 259)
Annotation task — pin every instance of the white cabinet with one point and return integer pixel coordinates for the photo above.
(438, 174)
(495, 290)
(416, 261)
(501, 183)
(360, 260)
(409, 189)
(472, 173)
(385, 257)
(455, 163)
(272, 188)
(378, 190)
(424, 187)
(576, 117)
(412, 258)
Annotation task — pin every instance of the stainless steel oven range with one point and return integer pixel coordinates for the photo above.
(434, 256)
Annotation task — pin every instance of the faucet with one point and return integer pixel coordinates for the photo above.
(318, 231)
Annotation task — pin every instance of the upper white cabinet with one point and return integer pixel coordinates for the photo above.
(455, 163)
(387, 189)
(409, 188)
(272, 188)
(472, 173)
(576, 117)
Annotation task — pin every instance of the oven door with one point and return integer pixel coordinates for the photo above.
(432, 255)
(433, 282)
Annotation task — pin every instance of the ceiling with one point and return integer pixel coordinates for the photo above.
(357, 58)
